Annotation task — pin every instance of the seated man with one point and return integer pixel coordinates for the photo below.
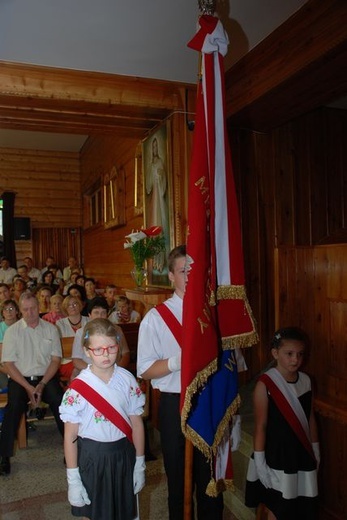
(97, 309)
(70, 268)
(31, 355)
(33, 272)
(6, 271)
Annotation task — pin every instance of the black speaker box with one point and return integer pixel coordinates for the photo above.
(22, 228)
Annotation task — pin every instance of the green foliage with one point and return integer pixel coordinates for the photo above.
(147, 248)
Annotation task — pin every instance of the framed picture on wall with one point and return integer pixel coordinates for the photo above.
(157, 199)
(114, 198)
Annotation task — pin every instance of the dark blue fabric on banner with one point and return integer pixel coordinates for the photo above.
(210, 404)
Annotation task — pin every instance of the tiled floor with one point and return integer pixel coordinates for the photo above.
(36, 488)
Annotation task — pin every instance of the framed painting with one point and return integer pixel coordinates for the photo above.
(157, 198)
(114, 198)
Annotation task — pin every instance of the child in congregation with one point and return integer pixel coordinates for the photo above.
(110, 296)
(104, 436)
(124, 312)
(282, 472)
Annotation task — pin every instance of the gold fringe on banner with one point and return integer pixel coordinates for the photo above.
(215, 487)
(231, 292)
(195, 438)
(240, 341)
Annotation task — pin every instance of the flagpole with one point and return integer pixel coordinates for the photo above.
(188, 480)
(206, 7)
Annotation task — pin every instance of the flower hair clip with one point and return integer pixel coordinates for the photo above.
(278, 336)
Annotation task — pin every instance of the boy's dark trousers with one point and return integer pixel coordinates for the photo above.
(173, 448)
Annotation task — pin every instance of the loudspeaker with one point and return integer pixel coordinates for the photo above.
(22, 228)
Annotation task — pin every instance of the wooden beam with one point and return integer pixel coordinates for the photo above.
(64, 100)
(298, 67)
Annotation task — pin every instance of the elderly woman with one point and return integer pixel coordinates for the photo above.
(74, 320)
(56, 313)
(10, 314)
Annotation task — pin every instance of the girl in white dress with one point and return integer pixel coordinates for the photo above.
(104, 436)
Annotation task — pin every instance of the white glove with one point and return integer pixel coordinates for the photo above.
(174, 363)
(316, 451)
(264, 472)
(236, 433)
(139, 474)
(77, 494)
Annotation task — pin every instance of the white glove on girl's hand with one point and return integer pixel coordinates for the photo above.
(264, 472)
(139, 474)
(316, 451)
(236, 433)
(174, 363)
(77, 494)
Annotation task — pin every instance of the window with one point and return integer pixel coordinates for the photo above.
(92, 202)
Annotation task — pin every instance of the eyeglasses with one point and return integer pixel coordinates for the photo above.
(73, 304)
(99, 351)
(9, 309)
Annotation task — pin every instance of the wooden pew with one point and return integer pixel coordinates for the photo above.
(131, 333)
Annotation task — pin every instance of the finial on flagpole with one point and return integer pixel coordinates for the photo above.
(207, 6)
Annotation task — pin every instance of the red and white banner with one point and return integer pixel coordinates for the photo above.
(216, 315)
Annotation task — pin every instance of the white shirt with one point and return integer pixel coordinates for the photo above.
(156, 341)
(31, 349)
(65, 327)
(6, 275)
(122, 392)
(35, 274)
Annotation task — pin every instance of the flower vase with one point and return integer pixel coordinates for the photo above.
(139, 275)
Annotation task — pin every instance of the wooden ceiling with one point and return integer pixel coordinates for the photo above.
(60, 100)
(300, 66)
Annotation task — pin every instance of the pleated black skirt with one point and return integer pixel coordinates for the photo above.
(106, 470)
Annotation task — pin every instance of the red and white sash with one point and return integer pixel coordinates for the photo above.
(102, 405)
(171, 321)
(289, 405)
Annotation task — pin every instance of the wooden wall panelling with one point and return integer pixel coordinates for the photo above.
(332, 479)
(319, 181)
(254, 181)
(302, 181)
(291, 71)
(47, 186)
(315, 284)
(288, 184)
(61, 243)
(23, 248)
(284, 166)
(105, 256)
(336, 163)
